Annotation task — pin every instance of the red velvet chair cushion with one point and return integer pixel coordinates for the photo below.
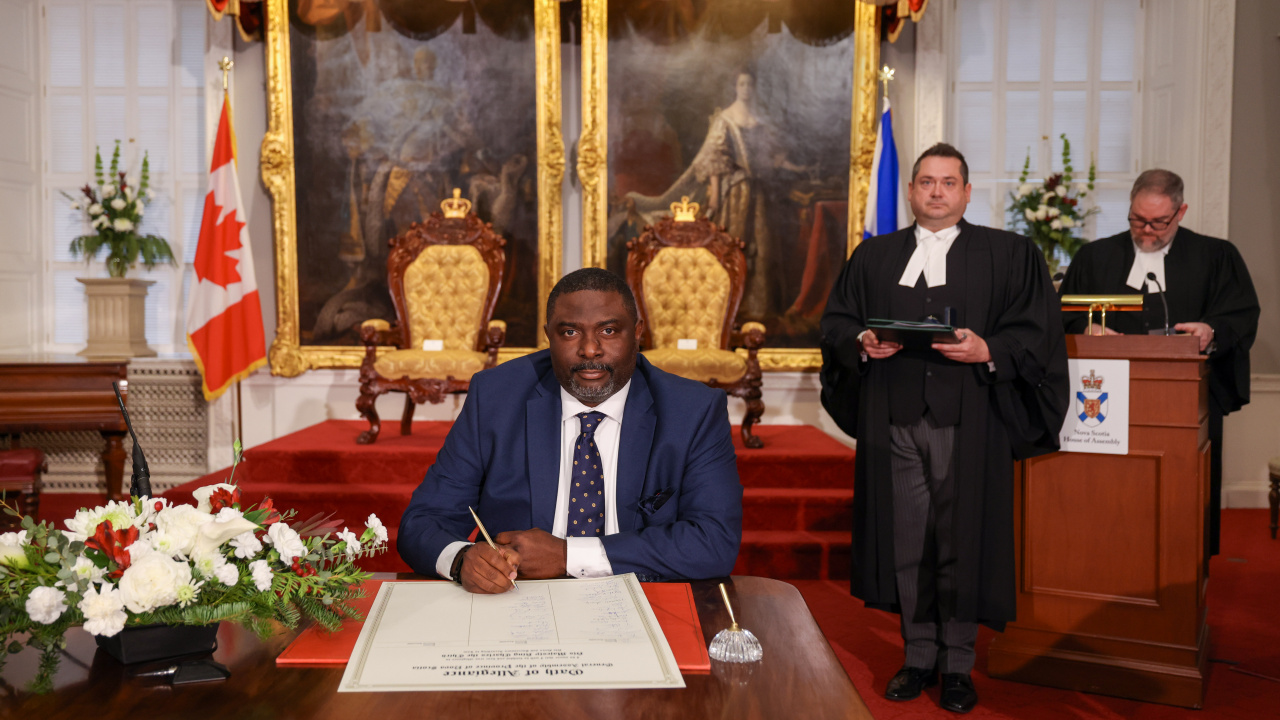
(20, 463)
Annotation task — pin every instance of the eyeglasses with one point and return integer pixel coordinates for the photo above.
(1157, 225)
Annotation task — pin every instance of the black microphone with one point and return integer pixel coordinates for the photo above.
(1167, 330)
(140, 483)
(1059, 276)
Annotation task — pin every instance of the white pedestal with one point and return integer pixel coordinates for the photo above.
(117, 318)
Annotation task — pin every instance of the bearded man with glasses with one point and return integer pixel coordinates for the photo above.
(1206, 284)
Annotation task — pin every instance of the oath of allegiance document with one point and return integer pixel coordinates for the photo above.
(595, 634)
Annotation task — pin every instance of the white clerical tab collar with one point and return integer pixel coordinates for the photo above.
(1148, 262)
(930, 257)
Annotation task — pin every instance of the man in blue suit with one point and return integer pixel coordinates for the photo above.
(661, 497)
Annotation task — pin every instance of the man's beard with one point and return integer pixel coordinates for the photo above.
(591, 394)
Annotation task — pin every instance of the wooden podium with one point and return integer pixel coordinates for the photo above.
(1111, 566)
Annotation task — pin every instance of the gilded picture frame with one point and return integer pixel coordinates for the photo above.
(593, 162)
(289, 356)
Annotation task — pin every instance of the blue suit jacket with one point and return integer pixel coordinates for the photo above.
(679, 500)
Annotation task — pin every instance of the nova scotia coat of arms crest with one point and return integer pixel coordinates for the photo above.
(1091, 403)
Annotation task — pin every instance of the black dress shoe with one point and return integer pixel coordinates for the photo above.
(958, 694)
(910, 682)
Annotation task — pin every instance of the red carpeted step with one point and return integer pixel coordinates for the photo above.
(56, 508)
(794, 555)
(795, 456)
(801, 481)
(797, 509)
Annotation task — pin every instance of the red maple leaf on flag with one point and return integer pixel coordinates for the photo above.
(212, 262)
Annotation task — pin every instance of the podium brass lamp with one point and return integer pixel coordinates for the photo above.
(1101, 303)
(688, 276)
(444, 275)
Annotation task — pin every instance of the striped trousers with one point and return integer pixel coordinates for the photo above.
(924, 556)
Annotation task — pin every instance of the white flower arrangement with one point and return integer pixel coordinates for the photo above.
(1047, 211)
(147, 561)
(114, 212)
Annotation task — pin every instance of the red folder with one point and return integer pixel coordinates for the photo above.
(672, 604)
(317, 646)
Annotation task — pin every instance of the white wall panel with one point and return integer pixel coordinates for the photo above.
(65, 224)
(17, 322)
(64, 128)
(110, 123)
(1071, 41)
(15, 44)
(155, 45)
(109, 37)
(17, 117)
(976, 21)
(20, 227)
(64, 60)
(18, 207)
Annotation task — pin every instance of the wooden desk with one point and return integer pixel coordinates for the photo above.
(798, 677)
(59, 393)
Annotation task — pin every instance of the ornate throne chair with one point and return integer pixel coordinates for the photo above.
(444, 275)
(688, 277)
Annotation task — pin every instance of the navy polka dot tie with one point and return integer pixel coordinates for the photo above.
(586, 496)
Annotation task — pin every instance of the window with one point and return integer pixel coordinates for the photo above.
(1027, 71)
(133, 71)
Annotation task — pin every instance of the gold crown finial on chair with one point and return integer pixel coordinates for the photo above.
(456, 206)
(684, 210)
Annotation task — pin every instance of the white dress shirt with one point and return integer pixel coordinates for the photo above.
(930, 257)
(585, 557)
(1148, 262)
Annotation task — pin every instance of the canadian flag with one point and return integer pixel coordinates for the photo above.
(224, 315)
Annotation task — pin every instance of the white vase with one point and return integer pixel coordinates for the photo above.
(117, 319)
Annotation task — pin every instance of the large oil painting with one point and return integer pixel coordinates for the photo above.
(394, 104)
(746, 107)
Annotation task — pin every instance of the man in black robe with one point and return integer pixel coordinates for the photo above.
(939, 428)
(1206, 285)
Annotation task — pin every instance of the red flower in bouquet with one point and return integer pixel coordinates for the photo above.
(272, 517)
(114, 544)
(223, 498)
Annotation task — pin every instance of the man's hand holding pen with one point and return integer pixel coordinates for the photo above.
(534, 554)
(489, 571)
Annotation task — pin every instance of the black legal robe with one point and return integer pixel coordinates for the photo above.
(1009, 300)
(1207, 282)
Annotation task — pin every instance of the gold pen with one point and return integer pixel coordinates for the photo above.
(488, 539)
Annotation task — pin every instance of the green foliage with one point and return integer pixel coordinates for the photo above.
(1051, 213)
(115, 212)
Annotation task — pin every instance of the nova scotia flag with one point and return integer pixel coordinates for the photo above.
(886, 205)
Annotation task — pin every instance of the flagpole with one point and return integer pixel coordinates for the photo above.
(237, 427)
